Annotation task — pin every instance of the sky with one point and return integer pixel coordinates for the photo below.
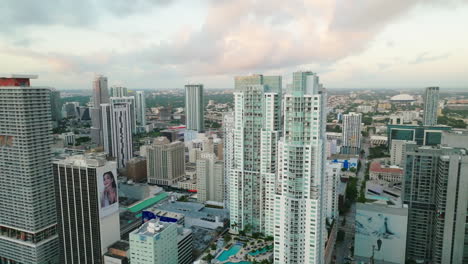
(169, 43)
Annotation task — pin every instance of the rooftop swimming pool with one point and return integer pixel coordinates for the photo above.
(230, 252)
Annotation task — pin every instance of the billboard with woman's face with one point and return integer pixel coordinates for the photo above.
(109, 199)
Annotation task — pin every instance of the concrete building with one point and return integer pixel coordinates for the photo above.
(131, 101)
(118, 91)
(100, 96)
(118, 253)
(89, 222)
(184, 245)
(117, 131)
(165, 161)
(434, 190)
(352, 123)
(68, 138)
(70, 109)
(136, 169)
(397, 151)
(228, 153)
(365, 109)
(210, 181)
(154, 242)
(377, 171)
(332, 179)
(422, 135)
(26, 180)
(252, 121)
(299, 217)
(140, 108)
(194, 107)
(431, 104)
(55, 105)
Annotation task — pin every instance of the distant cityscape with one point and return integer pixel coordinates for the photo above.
(267, 172)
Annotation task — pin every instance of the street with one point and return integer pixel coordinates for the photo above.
(342, 249)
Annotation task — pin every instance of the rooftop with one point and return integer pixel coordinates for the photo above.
(151, 228)
(148, 202)
(85, 160)
(121, 245)
(18, 76)
(377, 167)
(402, 97)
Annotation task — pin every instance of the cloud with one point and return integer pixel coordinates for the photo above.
(236, 37)
(426, 57)
(19, 13)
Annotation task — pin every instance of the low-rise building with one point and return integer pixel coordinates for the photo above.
(378, 171)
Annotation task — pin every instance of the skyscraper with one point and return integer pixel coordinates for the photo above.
(87, 207)
(28, 226)
(228, 153)
(165, 161)
(434, 189)
(194, 107)
(100, 96)
(431, 104)
(256, 115)
(210, 182)
(117, 131)
(132, 106)
(55, 105)
(118, 91)
(299, 202)
(140, 108)
(351, 133)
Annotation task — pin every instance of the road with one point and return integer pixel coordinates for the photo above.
(343, 249)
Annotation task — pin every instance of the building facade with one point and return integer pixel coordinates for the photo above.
(100, 96)
(194, 107)
(165, 161)
(246, 186)
(154, 243)
(132, 108)
(431, 104)
(397, 151)
(434, 189)
(87, 207)
(299, 198)
(118, 91)
(210, 178)
(28, 225)
(352, 123)
(228, 153)
(117, 132)
(55, 105)
(140, 108)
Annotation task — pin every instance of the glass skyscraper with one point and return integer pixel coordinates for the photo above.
(431, 103)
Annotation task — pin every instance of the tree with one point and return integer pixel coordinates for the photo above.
(227, 238)
(352, 169)
(213, 247)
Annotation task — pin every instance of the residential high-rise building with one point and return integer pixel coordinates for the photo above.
(87, 207)
(210, 178)
(117, 133)
(55, 105)
(351, 133)
(165, 161)
(194, 107)
(100, 96)
(131, 101)
(154, 242)
(299, 220)
(70, 109)
(228, 153)
(434, 189)
(332, 180)
(397, 151)
(431, 104)
(28, 225)
(256, 115)
(140, 108)
(118, 91)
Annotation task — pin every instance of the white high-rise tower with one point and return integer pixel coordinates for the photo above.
(256, 124)
(299, 214)
(117, 131)
(140, 108)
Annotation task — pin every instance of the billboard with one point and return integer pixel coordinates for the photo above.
(383, 228)
(108, 192)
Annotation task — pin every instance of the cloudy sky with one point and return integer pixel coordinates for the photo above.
(168, 43)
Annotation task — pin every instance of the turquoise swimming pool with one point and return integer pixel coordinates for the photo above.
(230, 252)
(260, 251)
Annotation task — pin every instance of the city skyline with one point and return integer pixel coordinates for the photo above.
(212, 41)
